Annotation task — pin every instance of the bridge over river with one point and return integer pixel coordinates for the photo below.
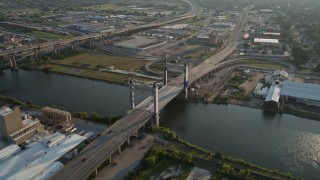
(111, 140)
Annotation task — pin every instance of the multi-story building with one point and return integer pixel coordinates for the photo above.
(14, 129)
(57, 115)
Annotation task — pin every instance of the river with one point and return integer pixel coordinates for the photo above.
(283, 142)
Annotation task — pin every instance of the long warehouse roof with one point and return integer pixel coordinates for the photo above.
(36, 158)
(261, 40)
(301, 90)
(274, 93)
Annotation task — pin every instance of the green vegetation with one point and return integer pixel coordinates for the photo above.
(88, 64)
(228, 170)
(95, 117)
(15, 102)
(158, 160)
(93, 60)
(220, 100)
(93, 74)
(317, 68)
(234, 168)
(262, 63)
(171, 135)
(302, 113)
(44, 35)
(301, 54)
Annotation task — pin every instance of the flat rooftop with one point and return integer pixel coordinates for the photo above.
(36, 157)
(300, 90)
(138, 42)
(5, 110)
(176, 26)
(262, 40)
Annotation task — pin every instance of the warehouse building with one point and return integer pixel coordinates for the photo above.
(278, 77)
(306, 93)
(271, 102)
(38, 160)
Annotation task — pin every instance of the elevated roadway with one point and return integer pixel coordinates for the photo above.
(110, 140)
(19, 50)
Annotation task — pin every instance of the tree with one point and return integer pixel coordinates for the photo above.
(218, 155)
(317, 69)
(301, 54)
(151, 160)
(94, 116)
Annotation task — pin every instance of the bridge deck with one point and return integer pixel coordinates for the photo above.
(108, 142)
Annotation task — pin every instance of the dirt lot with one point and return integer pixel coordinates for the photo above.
(253, 80)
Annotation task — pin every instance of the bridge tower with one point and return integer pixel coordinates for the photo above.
(154, 90)
(13, 62)
(185, 69)
(56, 48)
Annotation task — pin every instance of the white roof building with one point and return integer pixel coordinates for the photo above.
(36, 158)
(262, 40)
(176, 26)
(273, 94)
(9, 151)
(272, 33)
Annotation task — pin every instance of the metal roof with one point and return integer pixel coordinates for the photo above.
(261, 40)
(301, 90)
(31, 161)
(274, 93)
(9, 151)
(5, 110)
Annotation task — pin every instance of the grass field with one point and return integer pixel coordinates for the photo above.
(92, 60)
(44, 35)
(261, 63)
(104, 76)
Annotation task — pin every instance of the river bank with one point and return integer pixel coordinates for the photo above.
(181, 156)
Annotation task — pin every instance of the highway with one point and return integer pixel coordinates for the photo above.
(111, 139)
(90, 36)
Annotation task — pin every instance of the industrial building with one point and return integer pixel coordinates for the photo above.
(140, 43)
(9, 151)
(57, 115)
(278, 77)
(305, 93)
(271, 102)
(15, 129)
(260, 91)
(38, 160)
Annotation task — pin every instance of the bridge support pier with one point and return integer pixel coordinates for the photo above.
(156, 105)
(110, 159)
(165, 73)
(184, 69)
(74, 46)
(131, 87)
(56, 48)
(96, 172)
(36, 53)
(128, 141)
(119, 149)
(13, 62)
(186, 80)
(154, 90)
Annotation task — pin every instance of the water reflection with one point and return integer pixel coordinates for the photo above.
(283, 142)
